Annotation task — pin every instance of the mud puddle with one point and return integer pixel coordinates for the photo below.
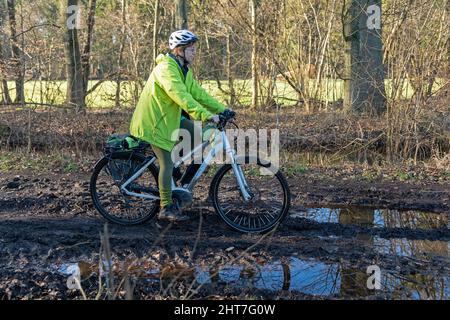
(383, 219)
(412, 271)
(377, 218)
(308, 277)
(317, 278)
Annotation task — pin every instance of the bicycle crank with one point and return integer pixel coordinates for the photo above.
(182, 196)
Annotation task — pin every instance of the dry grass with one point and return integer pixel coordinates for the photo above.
(407, 132)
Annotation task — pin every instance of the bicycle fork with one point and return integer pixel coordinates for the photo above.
(239, 174)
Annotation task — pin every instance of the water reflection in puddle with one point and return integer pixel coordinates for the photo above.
(317, 278)
(310, 277)
(384, 218)
(381, 218)
(411, 248)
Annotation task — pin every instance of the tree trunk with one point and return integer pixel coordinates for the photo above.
(155, 32)
(181, 18)
(16, 53)
(232, 101)
(85, 58)
(75, 75)
(253, 6)
(354, 280)
(364, 90)
(120, 57)
(6, 98)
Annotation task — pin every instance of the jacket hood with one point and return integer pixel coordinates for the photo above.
(162, 57)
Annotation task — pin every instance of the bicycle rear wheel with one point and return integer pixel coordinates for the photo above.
(270, 197)
(109, 174)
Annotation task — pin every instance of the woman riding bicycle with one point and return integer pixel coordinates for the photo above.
(169, 99)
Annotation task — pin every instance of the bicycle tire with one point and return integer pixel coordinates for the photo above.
(214, 193)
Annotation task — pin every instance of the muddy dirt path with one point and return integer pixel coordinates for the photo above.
(335, 231)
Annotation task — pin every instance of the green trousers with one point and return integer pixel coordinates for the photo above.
(166, 163)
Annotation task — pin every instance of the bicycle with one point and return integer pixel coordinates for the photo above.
(238, 193)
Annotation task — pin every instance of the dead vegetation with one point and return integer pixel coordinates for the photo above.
(404, 134)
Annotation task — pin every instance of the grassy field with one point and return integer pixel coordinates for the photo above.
(54, 92)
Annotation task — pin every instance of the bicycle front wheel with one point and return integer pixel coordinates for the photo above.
(269, 196)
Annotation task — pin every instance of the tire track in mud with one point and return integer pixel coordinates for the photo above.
(46, 240)
(59, 207)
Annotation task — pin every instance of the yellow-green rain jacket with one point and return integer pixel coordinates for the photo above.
(165, 94)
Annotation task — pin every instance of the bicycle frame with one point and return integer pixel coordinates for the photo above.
(220, 144)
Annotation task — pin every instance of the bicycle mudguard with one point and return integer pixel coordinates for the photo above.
(129, 153)
(263, 162)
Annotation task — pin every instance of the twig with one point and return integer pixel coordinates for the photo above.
(35, 26)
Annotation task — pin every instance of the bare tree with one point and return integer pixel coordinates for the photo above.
(78, 65)
(85, 58)
(181, 17)
(16, 52)
(121, 49)
(6, 98)
(253, 12)
(232, 92)
(364, 90)
(75, 75)
(155, 32)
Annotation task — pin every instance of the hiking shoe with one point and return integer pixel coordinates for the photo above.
(172, 213)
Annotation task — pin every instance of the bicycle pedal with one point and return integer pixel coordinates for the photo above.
(183, 196)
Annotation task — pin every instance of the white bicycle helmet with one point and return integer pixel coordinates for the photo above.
(181, 38)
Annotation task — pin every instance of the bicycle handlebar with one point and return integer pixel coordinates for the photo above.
(224, 118)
